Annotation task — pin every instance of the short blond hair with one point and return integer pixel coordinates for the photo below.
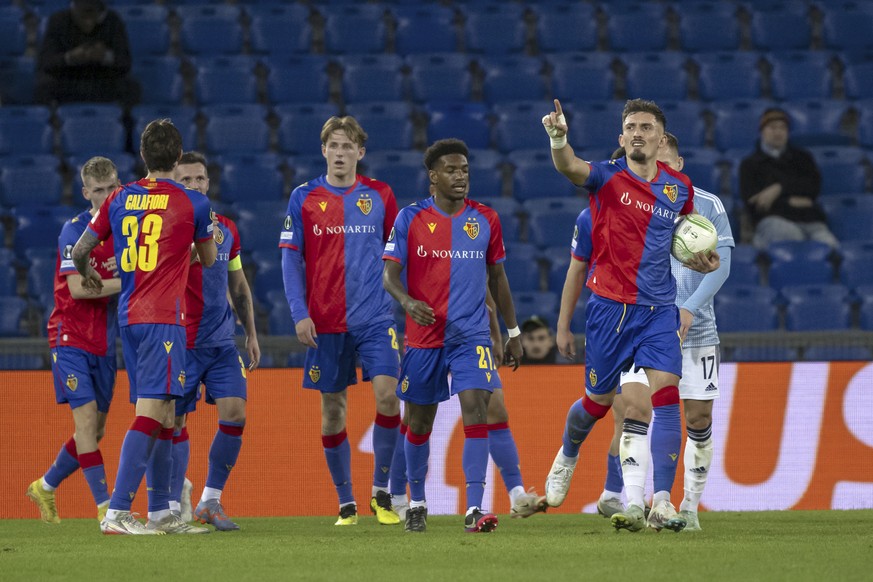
(98, 168)
(346, 124)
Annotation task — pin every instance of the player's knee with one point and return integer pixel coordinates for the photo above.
(234, 415)
(698, 420)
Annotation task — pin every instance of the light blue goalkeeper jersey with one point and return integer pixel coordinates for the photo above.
(703, 330)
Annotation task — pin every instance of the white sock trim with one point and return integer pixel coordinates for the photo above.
(209, 494)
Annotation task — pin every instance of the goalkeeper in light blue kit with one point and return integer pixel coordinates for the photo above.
(698, 386)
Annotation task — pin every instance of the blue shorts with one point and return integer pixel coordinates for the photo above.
(331, 367)
(425, 372)
(220, 369)
(154, 355)
(81, 377)
(618, 335)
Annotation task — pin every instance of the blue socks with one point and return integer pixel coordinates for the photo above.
(135, 452)
(580, 419)
(224, 452)
(398, 465)
(502, 447)
(385, 433)
(666, 440)
(338, 453)
(475, 461)
(181, 456)
(65, 464)
(417, 450)
(159, 471)
(95, 475)
(614, 481)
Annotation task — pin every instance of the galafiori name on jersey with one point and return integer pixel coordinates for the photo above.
(146, 202)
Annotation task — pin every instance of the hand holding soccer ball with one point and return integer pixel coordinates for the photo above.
(694, 242)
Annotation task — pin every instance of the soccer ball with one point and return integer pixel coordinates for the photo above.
(693, 235)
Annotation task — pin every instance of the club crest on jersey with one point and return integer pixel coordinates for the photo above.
(72, 382)
(431, 226)
(671, 191)
(323, 205)
(314, 374)
(404, 386)
(168, 346)
(288, 223)
(365, 204)
(218, 235)
(472, 229)
(181, 378)
(592, 377)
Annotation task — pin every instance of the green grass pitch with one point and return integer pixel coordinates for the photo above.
(789, 545)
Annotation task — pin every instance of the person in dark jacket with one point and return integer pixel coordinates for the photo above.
(85, 56)
(780, 184)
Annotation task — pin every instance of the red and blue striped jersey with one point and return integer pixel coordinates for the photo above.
(208, 316)
(632, 231)
(154, 223)
(341, 233)
(86, 324)
(446, 260)
(580, 247)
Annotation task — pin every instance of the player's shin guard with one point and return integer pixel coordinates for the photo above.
(65, 465)
(417, 449)
(225, 451)
(502, 447)
(135, 452)
(159, 473)
(634, 453)
(666, 440)
(338, 454)
(385, 431)
(580, 419)
(398, 465)
(698, 458)
(181, 456)
(95, 475)
(475, 461)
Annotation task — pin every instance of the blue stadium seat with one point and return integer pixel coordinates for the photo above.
(388, 124)
(767, 353)
(799, 272)
(12, 312)
(711, 26)
(309, 167)
(647, 72)
(850, 217)
(259, 225)
(41, 276)
(749, 308)
(495, 28)
(817, 308)
(736, 123)
(440, 77)
(858, 75)
(148, 31)
(402, 170)
(564, 27)
(559, 261)
(228, 79)
(818, 122)
(837, 354)
(535, 177)
(842, 169)
(160, 79)
(847, 25)
(685, 120)
(236, 129)
(552, 220)
(866, 313)
(425, 28)
(28, 180)
(37, 228)
(523, 275)
(359, 28)
(642, 27)
(281, 323)
(703, 166)
(8, 279)
(372, 78)
(865, 121)
(742, 274)
(267, 278)
(728, 75)
(513, 78)
(91, 129)
(519, 125)
(857, 257)
(594, 125)
(17, 76)
(572, 74)
(808, 250)
(466, 121)
(542, 303)
(298, 79)
(779, 27)
(486, 186)
(21, 362)
(210, 30)
(800, 75)
(270, 27)
(13, 32)
(507, 209)
(25, 129)
(248, 177)
(300, 126)
(184, 117)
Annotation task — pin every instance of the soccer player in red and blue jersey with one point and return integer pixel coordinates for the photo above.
(631, 317)
(332, 243)
(154, 222)
(212, 358)
(82, 329)
(452, 250)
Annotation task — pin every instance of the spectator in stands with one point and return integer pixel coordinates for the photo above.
(779, 183)
(85, 57)
(538, 342)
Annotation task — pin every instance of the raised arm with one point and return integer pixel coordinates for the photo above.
(563, 156)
